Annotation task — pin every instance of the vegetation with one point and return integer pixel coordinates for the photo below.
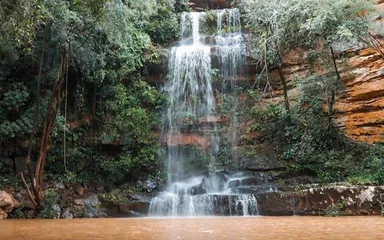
(303, 135)
(75, 103)
(280, 26)
(73, 71)
(303, 139)
(336, 209)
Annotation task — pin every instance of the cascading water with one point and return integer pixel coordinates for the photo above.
(192, 100)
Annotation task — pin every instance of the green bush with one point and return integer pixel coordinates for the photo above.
(47, 210)
(304, 138)
(336, 210)
(374, 161)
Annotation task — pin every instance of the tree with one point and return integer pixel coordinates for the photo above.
(60, 22)
(273, 24)
(334, 22)
(281, 25)
(79, 45)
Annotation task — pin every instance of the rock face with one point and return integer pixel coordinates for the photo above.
(133, 205)
(342, 200)
(211, 4)
(360, 108)
(7, 204)
(88, 207)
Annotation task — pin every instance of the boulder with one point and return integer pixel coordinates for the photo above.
(276, 204)
(7, 204)
(356, 200)
(3, 215)
(133, 209)
(199, 188)
(152, 185)
(345, 200)
(67, 215)
(90, 207)
(57, 209)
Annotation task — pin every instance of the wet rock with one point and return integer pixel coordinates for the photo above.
(256, 190)
(381, 202)
(78, 202)
(357, 200)
(7, 204)
(92, 204)
(57, 209)
(3, 215)
(88, 207)
(249, 181)
(152, 185)
(131, 205)
(213, 4)
(67, 215)
(276, 204)
(199, 189)
(349, 200)
(141, 197)
(18, 196)
(133, 209)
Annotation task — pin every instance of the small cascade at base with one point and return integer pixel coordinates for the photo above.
(196, 197)
(192, 98)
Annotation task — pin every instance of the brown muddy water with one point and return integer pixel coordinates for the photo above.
(298, 228)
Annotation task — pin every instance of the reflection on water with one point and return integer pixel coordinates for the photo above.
(298, 228)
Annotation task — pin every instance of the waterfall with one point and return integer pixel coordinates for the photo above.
(191, 100)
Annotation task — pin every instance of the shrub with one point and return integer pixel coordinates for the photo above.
(374, 161)
(336, 210)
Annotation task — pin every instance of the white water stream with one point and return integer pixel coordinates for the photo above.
(191, 99)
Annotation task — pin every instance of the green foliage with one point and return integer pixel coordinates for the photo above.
(196, 161)
(335, 20)
(48, 211)
(224, 156)
(19, 212)
(108, 103)
(361, 179)
(305, 139)
(275, 25)
(163, 26)
(280, 25)
(374, 162)
(114, 170)
(19, 20)
(336, 210)
(109, 197)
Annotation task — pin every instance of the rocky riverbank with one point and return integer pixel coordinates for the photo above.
(68, 200)
(65, 200)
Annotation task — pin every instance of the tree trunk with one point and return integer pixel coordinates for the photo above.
(334, 62)
(332, 98)
(36, 178)
(285, 89)
(34, 130)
